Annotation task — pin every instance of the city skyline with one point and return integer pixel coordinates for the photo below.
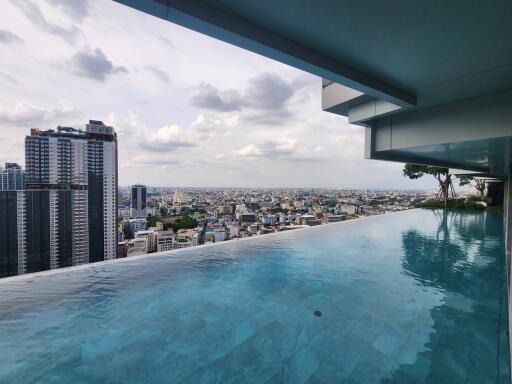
(186, 113)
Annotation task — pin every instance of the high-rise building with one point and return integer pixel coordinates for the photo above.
(12, 219)
(165, 240)
(151, 236)
(178, 200)
(11, 177)
(71, 196)
(138, 201)
(103, 180)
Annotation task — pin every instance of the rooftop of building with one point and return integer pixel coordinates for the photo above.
(98, 128)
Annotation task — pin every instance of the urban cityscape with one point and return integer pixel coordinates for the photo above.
(65, 208)
(255, 192)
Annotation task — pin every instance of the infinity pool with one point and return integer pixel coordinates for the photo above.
(412, 297)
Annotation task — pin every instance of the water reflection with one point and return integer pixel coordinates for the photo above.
(465, 263)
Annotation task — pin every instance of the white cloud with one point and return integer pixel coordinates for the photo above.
(76, 9)
(158, 73)
(31, 10)
(30, 115)
(168, 134)
(8, 37)
(281, 148)
(166, 139)
(250, 150)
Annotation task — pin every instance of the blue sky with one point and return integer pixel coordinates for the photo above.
(189, 110)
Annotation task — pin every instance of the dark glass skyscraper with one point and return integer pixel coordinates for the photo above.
(12, 198)
(138, 201)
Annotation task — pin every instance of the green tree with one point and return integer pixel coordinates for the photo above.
(127, 230)
(151, 221)
(443, 177)
(184, 222)
(478, 184)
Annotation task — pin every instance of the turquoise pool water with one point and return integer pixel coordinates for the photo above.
(413, 297)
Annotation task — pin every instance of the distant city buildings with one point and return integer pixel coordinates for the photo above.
(217, 215)
(269, 220)
(136, 225)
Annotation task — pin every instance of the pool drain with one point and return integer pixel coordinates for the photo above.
(317, 313)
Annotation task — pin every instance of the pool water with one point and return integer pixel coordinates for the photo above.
(411, 297)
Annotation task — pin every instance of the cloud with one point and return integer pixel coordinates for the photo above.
(6, 77)
(263, 102)
(305, 79)
(76, 9)
(166, 139)
(166, 41)
(34, 14)
(269, 118)
(267, 92)
(94, 65)
(152, 160)
(28, 115)
(282, 148)
(209, 97)
(8, 37)
(250, 150)
(158, 73)
(206, 127)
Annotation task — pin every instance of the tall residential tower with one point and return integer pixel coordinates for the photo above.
(103, 186)
(71, 196)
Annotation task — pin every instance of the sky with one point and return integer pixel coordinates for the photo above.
(189, 110)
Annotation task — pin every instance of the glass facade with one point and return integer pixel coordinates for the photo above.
(8, 233)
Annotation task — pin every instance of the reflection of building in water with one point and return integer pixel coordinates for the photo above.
(461, 259)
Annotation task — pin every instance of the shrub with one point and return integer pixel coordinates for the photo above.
(476, 198)
(461, 204)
